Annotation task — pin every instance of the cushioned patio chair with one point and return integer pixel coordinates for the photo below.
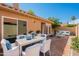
(33, 50)
(8, 50)
(21, 37)
(46, 47)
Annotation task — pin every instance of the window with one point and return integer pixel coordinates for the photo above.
(22, 27)
(10, 29)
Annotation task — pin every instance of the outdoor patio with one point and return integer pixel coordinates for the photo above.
(57, 46)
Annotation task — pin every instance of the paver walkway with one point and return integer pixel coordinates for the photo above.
(58, 46)
(67, 49)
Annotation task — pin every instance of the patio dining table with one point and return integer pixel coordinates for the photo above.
(27, 42)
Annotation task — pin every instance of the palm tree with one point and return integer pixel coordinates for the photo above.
(73, 18)
(55, 24)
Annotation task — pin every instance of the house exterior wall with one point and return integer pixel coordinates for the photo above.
(33, 24)
(77, 30)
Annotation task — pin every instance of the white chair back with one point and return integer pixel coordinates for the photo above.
(33, 50)
(14, 51)
(43, 35)
(28, 36)
(21, 37)
(39, 35)
(46, 46)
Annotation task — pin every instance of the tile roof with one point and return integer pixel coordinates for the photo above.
(22, 12)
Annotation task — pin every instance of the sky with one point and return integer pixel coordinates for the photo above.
(62, 11)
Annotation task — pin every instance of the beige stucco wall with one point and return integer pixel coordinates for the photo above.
(77, 30)
(33, 24)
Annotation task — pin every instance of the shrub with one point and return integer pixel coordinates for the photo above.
(71, 25)
(75, 43)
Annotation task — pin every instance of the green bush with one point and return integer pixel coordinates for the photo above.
(71, 25)
(75, 43)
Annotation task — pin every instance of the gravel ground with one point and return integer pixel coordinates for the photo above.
(58, 45)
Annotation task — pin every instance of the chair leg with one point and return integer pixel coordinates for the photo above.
(49, 52)
(44, 54)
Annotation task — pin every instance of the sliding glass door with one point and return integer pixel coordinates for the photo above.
(13, 27)
(22, 27)
(10, 29)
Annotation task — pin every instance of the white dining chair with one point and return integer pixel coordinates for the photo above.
(33, 50)
(43, 35)
(46, 47)
(19, 37)
(13, 51)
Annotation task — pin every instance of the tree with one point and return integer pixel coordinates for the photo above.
(73, 18)
(55, 24)
(31, 12)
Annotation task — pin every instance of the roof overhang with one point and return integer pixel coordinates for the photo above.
(21, 12)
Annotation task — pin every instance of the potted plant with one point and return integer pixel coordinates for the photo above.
(38, 31)
(30, 32)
